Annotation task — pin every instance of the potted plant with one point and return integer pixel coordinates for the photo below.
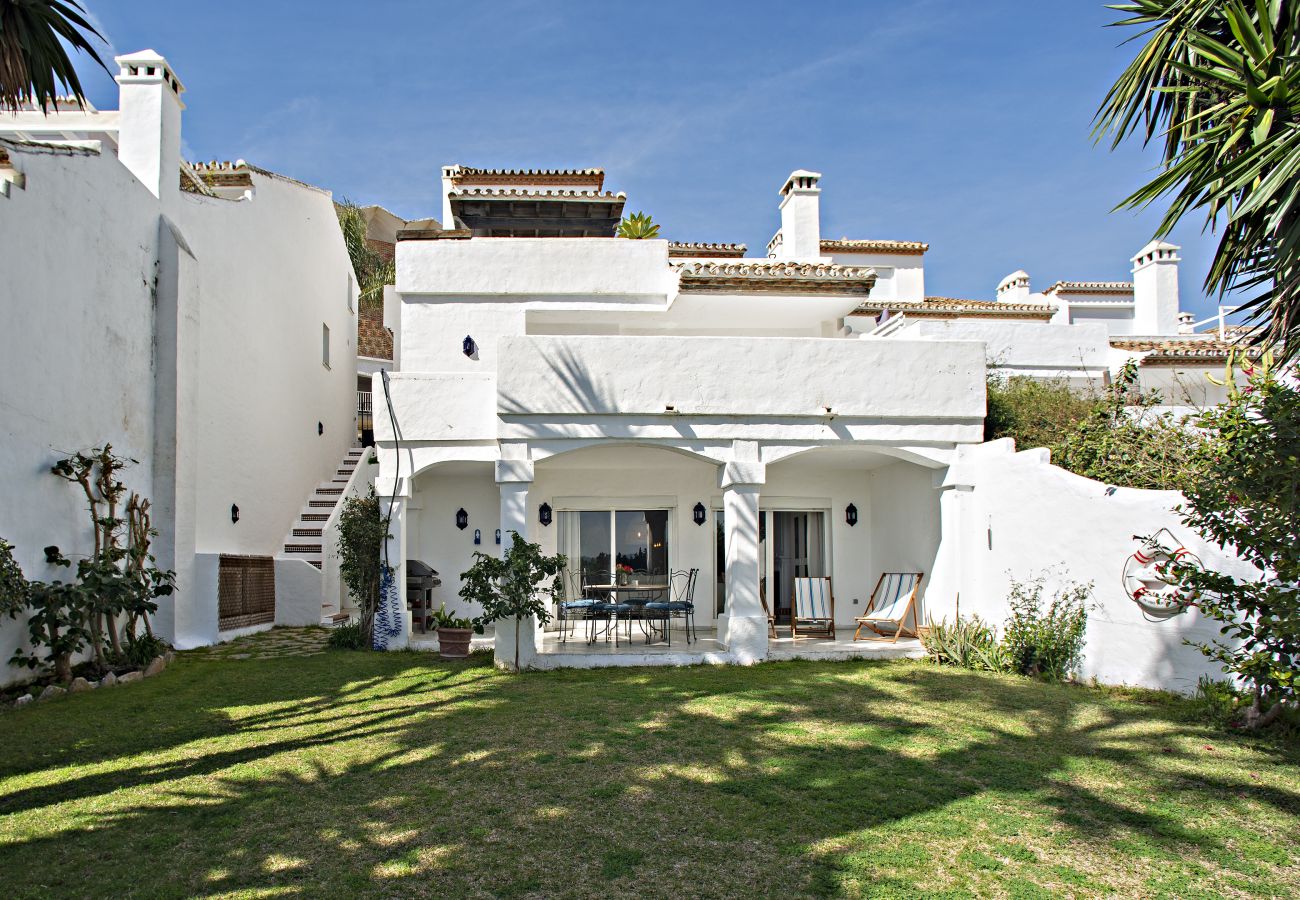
(517, 586)
(454, 633)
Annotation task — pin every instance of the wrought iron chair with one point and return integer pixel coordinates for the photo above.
(682, 605)
(575, 606)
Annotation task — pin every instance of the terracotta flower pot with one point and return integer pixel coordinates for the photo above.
(453, 643)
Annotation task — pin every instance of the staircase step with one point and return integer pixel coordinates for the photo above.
(314, 517)
(315, 562)
(323, 504)
(308, 532)
(329, 490)
(340, 481)
(302, 548)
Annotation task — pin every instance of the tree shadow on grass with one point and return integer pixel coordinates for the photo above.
(417, 777)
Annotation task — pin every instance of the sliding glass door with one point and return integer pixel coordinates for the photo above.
(602, 542)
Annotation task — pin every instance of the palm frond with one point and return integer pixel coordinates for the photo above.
(33, 60)
(1217, 85)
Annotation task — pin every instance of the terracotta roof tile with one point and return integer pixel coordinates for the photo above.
(527, 194)
(845, 245)
(1091, 287)
(1187, 348)
(771, 276)
(951, 308)
(704, 249)
(593, 177)
(373, 339)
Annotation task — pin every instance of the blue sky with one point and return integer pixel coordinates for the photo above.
(964, 124)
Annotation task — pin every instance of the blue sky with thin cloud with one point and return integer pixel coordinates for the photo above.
(963, 124)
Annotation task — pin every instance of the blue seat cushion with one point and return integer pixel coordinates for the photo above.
(577, 604)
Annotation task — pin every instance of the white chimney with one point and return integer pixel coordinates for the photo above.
(448, 185)
(1186, 323)
(149, 130)
(801, 229)
(1155, 289)
(1014, 288)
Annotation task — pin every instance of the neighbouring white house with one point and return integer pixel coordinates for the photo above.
(677, 407)
(201, 319)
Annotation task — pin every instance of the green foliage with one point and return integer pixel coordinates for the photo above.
(348, 637)
(1046, 641)
(33, 59)
(117, 584)
(1246, 497)
(966, 643)
(14, 592)
(1125, 442)
(1035, 413)
(1217, 84)
(444, 619)
(140, 650)
(638, 226)
(362, 532)
(374, 270)
(512, 587)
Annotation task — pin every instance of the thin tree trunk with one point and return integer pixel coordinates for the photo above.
(518, 622)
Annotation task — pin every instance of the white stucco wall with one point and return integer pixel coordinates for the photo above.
(743, 377)
(898, 276)
(77, 249)
(273, 269)
(1036, 349)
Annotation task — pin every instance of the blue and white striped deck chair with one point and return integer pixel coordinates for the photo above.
(892, 603)
(814, 608)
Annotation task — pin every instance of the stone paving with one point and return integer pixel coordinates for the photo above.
(270, 644)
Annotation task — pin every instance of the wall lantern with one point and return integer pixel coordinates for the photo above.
(320, 427)
(462, 519)
(851, 515)
(52, 554)
(699, 513)
(544, 514)
(498, 535)
(478, 537)
(234, 513)
(468, 346)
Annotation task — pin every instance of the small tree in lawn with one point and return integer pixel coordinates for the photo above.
(513, 587)
(1246, 497)
(362, 532)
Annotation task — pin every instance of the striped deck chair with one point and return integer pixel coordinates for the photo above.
(892, 603)
(814, 608)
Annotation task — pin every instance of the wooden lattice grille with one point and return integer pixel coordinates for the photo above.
(245, 591)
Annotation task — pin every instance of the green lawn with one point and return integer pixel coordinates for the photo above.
(369, 774)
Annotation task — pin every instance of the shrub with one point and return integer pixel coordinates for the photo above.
(1115, 436)
(347, 637)
(1046, 642)
(1035, 413)
(1246, 498)
(139, 650)
(362, 532)
(14, 592)
(1126, 442)
(966, 643)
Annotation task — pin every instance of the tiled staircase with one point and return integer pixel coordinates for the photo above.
(304, 541)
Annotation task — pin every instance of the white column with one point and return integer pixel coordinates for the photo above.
(514, 478)
(741, 483)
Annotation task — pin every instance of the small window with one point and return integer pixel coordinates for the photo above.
(325, 345)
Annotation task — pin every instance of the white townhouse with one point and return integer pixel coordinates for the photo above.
(669, 407)
(201, 319)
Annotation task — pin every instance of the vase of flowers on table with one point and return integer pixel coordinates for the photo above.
(622, 573)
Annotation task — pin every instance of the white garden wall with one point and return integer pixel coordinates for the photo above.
(1023, 516)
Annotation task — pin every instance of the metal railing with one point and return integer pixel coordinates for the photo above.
(1220, 318)
(365, 411)
(889, 326)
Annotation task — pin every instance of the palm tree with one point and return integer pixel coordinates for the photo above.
(1217, 85)
(374, 269)
(32, 56)
(638, 226)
